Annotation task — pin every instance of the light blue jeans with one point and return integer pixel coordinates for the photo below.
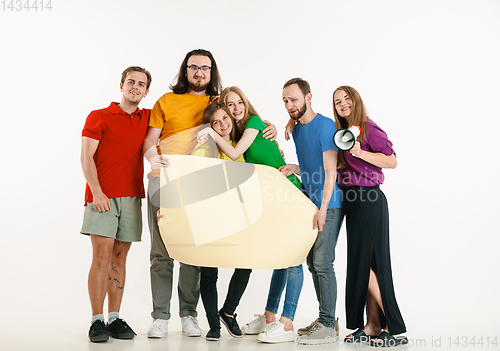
(292, 278)
(320, 263)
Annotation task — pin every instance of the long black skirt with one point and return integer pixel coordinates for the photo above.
(367, 223)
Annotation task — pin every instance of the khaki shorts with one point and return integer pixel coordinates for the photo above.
(123, 222)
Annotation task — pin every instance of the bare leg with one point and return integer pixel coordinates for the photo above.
(287, 322)
(374, 289)
(373, 307)
(373, 311)
(270, 317)
(116, 275)
(102, 248)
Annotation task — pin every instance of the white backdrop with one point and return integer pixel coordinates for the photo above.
(428, 72)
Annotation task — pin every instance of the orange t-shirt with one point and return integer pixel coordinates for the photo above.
(118, 158)
(175, 113)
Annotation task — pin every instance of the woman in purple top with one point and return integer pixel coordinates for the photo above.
(369, 275)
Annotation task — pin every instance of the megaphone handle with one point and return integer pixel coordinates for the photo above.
(356, 143)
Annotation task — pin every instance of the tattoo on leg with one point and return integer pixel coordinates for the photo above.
(117, 284)
(113, 268)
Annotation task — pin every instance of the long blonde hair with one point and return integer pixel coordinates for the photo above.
(249, 109)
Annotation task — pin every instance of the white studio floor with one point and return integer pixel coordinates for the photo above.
(76, 340)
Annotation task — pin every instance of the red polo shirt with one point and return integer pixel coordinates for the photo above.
(118, 158)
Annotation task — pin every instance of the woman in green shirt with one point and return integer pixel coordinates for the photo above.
(251, 144)
(265, 152)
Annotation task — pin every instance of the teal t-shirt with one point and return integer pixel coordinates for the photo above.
(265, 152)
(311, 140)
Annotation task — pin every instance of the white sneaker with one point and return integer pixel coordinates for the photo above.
(256, 326)
(158, 329)
(190, 326)
(276, 332)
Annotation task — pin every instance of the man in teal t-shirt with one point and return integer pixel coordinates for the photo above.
(317, 155)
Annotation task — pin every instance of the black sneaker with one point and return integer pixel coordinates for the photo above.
(119, 329)
(214, 333)
(98, 332)
(232, 326)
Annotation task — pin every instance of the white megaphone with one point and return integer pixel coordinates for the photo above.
(345, 139)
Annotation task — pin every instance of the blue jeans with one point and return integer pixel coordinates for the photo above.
(320, 263)
(292, 278)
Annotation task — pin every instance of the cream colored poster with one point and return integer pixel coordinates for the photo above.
(221, 213)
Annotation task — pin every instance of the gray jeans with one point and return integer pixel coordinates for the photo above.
(320, 263)
(162, 267)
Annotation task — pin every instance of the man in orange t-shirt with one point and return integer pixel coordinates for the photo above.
(112, 162)
(198, 83)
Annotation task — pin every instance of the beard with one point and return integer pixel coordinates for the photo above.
(300, 113)
(132, 100)
(198, 86)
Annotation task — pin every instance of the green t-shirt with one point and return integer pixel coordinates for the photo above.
(265, 152)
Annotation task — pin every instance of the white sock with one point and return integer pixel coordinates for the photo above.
(112, 316)
(96, 317)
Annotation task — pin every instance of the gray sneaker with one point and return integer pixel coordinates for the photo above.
(319, 335)
(305, 330)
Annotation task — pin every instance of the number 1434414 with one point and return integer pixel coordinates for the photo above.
(26, 5)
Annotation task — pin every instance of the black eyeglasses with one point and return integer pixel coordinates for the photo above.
(196, 68)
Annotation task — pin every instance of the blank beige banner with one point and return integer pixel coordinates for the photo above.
(221, 213)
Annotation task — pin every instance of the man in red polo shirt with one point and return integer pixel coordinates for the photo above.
(112, 163)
